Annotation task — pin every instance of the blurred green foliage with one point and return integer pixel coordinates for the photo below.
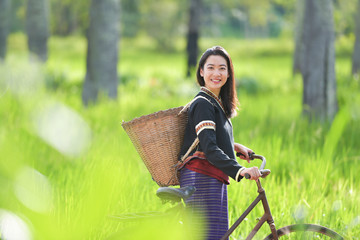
(166, 20)
(314, 166)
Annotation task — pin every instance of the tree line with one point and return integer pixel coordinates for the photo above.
(316, 25)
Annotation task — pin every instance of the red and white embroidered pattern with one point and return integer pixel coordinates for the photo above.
(205, 125)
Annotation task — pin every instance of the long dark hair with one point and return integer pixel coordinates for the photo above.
(228, 94)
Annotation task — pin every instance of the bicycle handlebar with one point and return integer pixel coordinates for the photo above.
(264, 172)
(262, 158)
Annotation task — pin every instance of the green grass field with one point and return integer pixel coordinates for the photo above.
(65, 168)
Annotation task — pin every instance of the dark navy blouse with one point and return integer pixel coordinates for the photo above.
(208, 122)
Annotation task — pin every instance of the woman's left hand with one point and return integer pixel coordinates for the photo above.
(244, 151)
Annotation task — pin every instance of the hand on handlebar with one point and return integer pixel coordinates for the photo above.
(248, 158)
(243, 152)
(252, 172)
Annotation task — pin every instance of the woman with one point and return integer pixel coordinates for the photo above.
(209, 166)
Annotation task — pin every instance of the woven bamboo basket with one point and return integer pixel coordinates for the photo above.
(158, 138)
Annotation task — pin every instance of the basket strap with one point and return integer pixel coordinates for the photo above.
(192, 147)
(179, 163)
(186, 107)
(196, 141)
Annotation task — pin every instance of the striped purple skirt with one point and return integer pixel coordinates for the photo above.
(208, 203)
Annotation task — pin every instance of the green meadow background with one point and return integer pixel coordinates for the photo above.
(65, 168)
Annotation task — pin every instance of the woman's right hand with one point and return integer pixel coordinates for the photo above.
(253, 172)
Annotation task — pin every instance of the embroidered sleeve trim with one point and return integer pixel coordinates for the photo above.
(237, 178)
(205, 125)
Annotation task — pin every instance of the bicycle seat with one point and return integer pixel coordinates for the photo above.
(175, 194)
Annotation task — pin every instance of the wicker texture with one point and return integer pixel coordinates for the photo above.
(158, 138)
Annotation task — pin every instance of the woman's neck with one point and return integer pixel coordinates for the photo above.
(215, 94)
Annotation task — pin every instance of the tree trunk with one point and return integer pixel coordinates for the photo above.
(192, 47)
(356, 54)
(299, 45)
(102, 51)
(37, 28)
(64, 19)
(318, 60)
(4, 26)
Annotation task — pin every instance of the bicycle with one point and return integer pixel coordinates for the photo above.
(303, 231)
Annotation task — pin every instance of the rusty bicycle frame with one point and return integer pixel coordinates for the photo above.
(267, 217)
(180, 195)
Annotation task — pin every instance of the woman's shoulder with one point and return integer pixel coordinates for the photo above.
(201, 100)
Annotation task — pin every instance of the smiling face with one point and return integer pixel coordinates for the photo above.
(215, 73)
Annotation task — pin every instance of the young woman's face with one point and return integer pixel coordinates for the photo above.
(215, 73)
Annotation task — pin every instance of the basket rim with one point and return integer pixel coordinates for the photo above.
(155, 115)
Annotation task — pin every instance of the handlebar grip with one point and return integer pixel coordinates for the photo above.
(264, 173)
(238, 154)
